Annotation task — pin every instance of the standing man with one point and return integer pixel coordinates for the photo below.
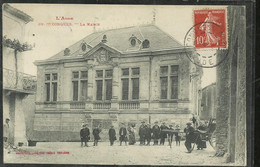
(163, 134)
(189, 130)
(142, 133)
(123, 133)
(170, 135)
(96, 132)
(156, 133)
(6, 133)
(84, 135)
(148, 134)
(112, 135)
(194, 121)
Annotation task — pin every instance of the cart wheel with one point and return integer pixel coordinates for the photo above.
(192, 148)
(212, 140)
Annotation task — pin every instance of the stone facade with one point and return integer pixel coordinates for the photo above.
(15, 82)
(231, 92)
(61, 120)
(208, 102)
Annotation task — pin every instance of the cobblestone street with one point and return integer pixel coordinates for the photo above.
(121, 155)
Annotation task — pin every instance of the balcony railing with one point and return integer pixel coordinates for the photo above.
(18, 81)
(101, 105)
(129, 105)
(77, 105)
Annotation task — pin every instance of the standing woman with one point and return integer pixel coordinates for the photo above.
(131, 131)
(112, 135)
(96, 132)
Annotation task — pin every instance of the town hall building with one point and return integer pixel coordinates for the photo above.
(125, 75)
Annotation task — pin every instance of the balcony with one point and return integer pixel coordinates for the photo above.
(77, 105)
(132, 105)
(101, 105)
(17, 81)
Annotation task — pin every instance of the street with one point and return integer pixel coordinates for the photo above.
(72, 153)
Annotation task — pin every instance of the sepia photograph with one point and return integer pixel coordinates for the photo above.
(124, 84)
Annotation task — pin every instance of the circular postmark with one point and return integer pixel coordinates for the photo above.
(206, 45)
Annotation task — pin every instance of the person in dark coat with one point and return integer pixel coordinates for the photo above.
(170, 135)
(112, 135)
(156, 133)
(201, 142)
(142, 133)
(96, 132)
(163, 134)
(148, 134)
(84, 135)
(177, 137)
(189, 130)
(123, 134)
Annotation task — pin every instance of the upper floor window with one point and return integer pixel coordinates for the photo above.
(169, 81)
(51, 86)
(130, 83)
(80, 85)
(146, 44)
(104, 84)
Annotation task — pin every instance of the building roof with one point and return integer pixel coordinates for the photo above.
(17, 13)
(118, 39)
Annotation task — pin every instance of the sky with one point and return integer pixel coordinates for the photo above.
(50, 39)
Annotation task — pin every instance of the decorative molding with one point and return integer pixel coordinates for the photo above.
(17, 13)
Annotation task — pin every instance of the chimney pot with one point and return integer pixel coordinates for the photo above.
(104, 40)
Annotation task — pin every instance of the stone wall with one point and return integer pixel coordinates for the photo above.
(241, 143)
(29, 112)
(66, 126)
(231, 92)
(208, 102)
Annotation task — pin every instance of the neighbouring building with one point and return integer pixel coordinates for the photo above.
(231, 91)
(115, 76)
(16, 84)
(208, 102)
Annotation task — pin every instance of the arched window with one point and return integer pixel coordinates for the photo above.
(146, 44)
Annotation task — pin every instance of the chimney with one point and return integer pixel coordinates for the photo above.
(104, 40)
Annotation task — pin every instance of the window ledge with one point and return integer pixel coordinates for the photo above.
(168, 101)
(50, 102)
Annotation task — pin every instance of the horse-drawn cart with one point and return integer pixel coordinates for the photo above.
(205, 135)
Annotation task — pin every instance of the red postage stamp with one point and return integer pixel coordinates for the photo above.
(210, 29)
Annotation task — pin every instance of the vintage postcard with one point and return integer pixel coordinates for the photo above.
(124, 84)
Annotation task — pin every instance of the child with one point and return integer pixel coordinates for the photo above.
(177, 137)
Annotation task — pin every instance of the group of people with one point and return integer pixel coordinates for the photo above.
(146, 134)
(85, 135)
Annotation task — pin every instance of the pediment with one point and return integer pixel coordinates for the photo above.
(102, 49)
(102, 54)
